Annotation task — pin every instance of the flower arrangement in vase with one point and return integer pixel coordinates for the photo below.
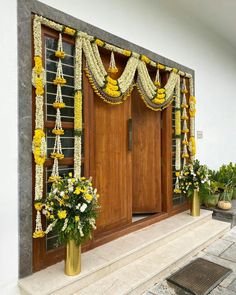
(194, 183)
(71, 209)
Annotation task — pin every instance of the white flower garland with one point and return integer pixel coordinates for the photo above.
(111, 91)
(78, 98)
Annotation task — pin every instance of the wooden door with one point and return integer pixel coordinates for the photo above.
(110, 160)
(146, 157)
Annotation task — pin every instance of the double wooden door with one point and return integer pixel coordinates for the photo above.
(124, 158)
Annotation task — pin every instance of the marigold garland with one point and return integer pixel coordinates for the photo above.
(113, 91)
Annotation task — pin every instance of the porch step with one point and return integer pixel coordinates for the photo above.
(139, 258)
(144, 272)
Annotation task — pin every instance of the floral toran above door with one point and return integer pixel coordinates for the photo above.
(112, 91)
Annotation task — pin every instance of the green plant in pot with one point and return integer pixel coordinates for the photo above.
(211, 196)
(194, 184)
(224, 181)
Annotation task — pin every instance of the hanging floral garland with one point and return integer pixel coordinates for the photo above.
(58, 104)
(192, 112)
(113, 91)
(39, 142)
(184, 118)
(78, 98)
(177, 136)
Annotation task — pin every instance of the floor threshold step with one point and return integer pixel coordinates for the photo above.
(114, 255)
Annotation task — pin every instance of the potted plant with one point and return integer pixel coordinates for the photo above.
(194, 183)
(71, 211)
(224, 180)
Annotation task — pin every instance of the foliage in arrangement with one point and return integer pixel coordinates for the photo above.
(194, 176)
(223, 181)
(71, 209)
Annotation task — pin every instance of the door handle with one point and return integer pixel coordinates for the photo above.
(130, 134)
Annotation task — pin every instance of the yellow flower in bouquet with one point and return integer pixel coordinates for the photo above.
(62, 214)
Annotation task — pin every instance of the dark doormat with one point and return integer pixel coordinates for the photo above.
(200, 276)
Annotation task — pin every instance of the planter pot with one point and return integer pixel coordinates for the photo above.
(234, 193)
(224, 205)
(195, 204)
(73, 259)
(211, 201)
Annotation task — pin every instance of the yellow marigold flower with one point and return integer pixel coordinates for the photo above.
(83, 178)
(184, 106)
(161, 90)
(59, 80)
(161, 95)
(112, 70)
(185, 130)
(192, 99)
(184, 91)
(38, 234)
(145, 59)
(69, 31)
(39, 86)
(38, 206)
(61, 202)
(126, 52)
(99, 42)
(88, 197)
(48, 214)
(112, 87)
(57, 156)
(177, 173)
(175, 70)
(70, 174)
(62, 214)
(77, 218)
(60, 54)
(58, 131)
(77, 191)
(58, 105)
(158, 100)
(192, 113)
(160, 66)
(177, 191)
(52, 216)
(111, 81)
(112, 93)
(157, 83)
(73, 180)
(38, 68)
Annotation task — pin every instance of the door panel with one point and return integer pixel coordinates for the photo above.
(112, 163)
(146, 157)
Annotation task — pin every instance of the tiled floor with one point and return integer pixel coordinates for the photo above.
(223, 252)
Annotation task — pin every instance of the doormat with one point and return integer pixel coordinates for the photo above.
(200, 276)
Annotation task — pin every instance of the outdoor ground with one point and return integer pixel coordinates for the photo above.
(223, 252)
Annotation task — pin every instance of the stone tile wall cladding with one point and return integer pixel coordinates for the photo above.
(25, 10)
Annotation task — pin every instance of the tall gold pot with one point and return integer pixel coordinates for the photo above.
(195, 204)
(73, 259)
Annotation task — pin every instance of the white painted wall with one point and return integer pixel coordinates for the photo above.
(153, 24)
(165, 28)
(8, 151)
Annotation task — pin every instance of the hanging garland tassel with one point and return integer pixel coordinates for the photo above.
(112, 66)
(157, 82)
(58, 104)
(177, 136)
(185, 129)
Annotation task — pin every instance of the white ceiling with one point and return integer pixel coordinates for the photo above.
(218, 15)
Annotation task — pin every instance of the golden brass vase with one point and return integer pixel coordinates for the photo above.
(195, 204)
(73, 258)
